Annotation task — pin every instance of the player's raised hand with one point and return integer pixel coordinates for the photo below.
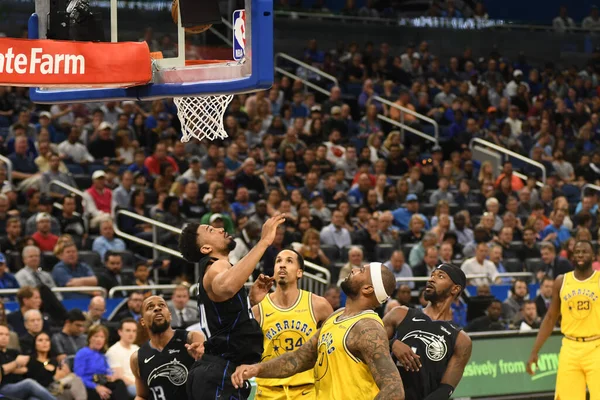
(243, 373)
(262, 285)
(269, 229)
(408, 358)
(195, 350)
(533, 360)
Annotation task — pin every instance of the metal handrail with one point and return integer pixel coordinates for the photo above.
(404, 127)
(415, 114)
(9, 167)
(515, 275)
(134, 288)
(589, 186)
(308, 67)
(426, 278)
(63, 290)
(511, 154)
(304, 81)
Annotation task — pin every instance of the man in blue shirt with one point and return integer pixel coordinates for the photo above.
(556, 233)
(402, 215)
(7, 280)
(70, 272)
(107, 241)
(23, 165)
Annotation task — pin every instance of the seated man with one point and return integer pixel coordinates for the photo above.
(14, 367)
(34, 323)
(112, 276)
(71, 339)
(43, 237)
(133, 309)
(7, 280)
(119, 353)
(29, 299)
(107, 240)
(96, 309)
(71, 272)
(182, 313)
(31, 274)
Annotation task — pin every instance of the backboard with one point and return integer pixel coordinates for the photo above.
(192, 65)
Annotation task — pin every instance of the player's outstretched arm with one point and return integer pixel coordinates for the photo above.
(455, 368)
(141, 389)
(548, 324)
(368, 341)
(284, 366)
(227, 281)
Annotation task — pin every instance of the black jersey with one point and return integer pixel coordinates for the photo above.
(229, 326)
(166, 372)
(434, 342)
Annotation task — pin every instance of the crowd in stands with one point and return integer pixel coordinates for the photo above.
(353, 188)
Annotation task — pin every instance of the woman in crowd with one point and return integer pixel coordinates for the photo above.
(53, 375)
(92, 367)
(311, 248)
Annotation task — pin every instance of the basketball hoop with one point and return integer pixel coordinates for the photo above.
(202, 116)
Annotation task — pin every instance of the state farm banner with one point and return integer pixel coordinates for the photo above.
(56, 63)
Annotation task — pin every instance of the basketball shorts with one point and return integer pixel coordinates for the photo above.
(578, 367)
(210, 379)
(304, 392)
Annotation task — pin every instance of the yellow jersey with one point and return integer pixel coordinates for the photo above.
(339, 375)
(579, 306)
(286, 330)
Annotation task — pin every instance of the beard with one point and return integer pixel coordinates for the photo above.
(159, 327)
(436, 297)
(586, 265)
(231, 245)
(349, 289)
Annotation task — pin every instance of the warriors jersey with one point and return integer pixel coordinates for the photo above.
(431, 340)
(339, 375)
(579, 306)
(166, 372)
(286, 330)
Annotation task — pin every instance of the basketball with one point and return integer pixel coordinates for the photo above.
(193, 29)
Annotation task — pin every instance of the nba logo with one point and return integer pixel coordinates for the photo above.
(239, 34)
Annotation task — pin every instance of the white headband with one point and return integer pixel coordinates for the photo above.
(380, 292)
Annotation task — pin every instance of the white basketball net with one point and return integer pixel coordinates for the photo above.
(202, 117)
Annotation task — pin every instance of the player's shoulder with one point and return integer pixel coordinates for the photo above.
(397, 314)
(321, 307)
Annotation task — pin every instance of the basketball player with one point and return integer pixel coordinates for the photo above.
(161, 365)
(233, 336)
(430, 351)
(288, 318)
(350, 352)
(575, 298)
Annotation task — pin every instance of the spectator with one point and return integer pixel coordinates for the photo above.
(103, 147)
(542, 301)
(355, 260)
(248, 178)
(528, 249)
(91, 362)
(401, 269)
(55, 174)
(112, 276)
(183, 314)
(96, 310)
(556, 232)
(71, 223)
(31, 274)
(98, 198)
(118, 354)
(7, 280)
(25, 172)
(153, 163)
(358, 194)
(34, 323)
(335, 234)
(417, 253)
(133, 309)
(311, 251)
(242, 205)
(72, 151)
(426, 267)
(402, 215)
(44, 206)
(245, 241)
(44, 239)
(592, 21)
(29, 299)
(107, 240)
(45, 368)
(552, 266)
(195, 172)
(479, 265)
(9, 241)
(489, 322)
(14, 368)
(332, 295)
(464, 234)
(446, 251)
(71, 338)
(514, 303)
(70, 272)
(122, 194)
(563, 22)
(528, 318)
(191, 205)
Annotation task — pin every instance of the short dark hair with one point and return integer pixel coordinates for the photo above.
(187, 243)
(546, 278)
(110, 254)
(298, 255)
(126, 321)
(140, 264)
(75, 315)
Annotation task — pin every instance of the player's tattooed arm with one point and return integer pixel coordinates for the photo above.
(460, 358)
(195, 344)
(284, 366)
(141, 389)
(368, 341)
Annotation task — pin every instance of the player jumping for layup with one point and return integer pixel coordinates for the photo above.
(288, 318)
(575, 297)
(233, 335)
(431, 350)
(161, 365)
(350, 353)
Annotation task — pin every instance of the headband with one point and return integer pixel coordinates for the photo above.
(455, 274)
(377, 281)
